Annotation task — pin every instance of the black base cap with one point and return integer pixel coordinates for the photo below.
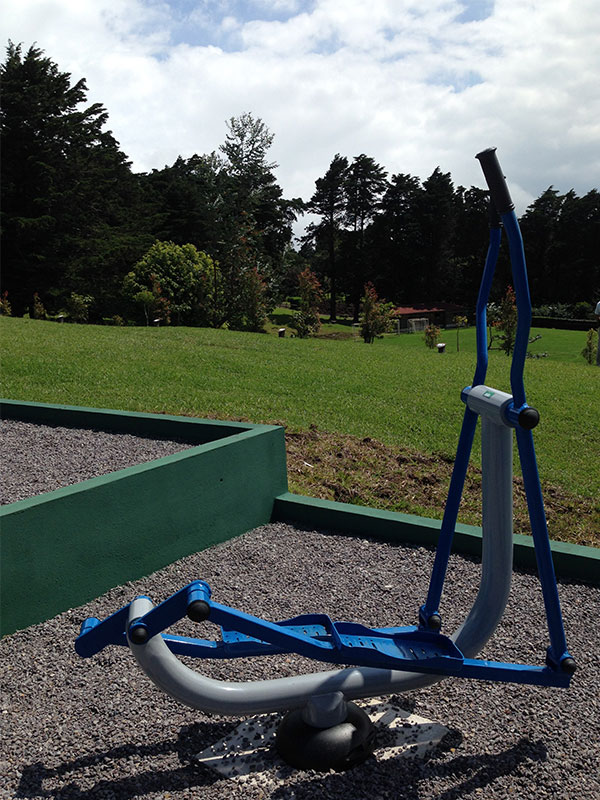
(340, 747)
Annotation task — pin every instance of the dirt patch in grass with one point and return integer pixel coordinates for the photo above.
(366, 472)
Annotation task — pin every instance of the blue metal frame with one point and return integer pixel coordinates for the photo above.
(465, 442)
(429, 615)
(412, 649)
(557, 651)
(314, 636)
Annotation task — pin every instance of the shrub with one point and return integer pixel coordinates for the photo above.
(583, 310)
(153, 302)
(375, 315)
(254, 296)
(432, 335)
(507, 321)
(177, 281)
(5, 306)
(306, 320)
(38, 311)
(555, 310)
(580, 310)
(78, 307)
(493, 317)
(589, 351)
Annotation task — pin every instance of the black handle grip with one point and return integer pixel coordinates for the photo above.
(495, 180)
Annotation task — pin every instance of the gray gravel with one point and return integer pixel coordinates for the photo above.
(97, 728)
(40, 458)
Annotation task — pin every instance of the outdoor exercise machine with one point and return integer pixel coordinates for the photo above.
(323, 729)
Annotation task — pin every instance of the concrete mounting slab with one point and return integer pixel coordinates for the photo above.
(249, 748)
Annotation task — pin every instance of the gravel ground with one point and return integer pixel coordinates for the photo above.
(97, 728)
(40, 458)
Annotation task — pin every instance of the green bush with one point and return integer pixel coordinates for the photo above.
(507, 321)
(254, 297)
(78, 306)
(460, 321)
(375, 315)
(591, 344)
(583, 310)
(176, 282)
(5, 306)
(432, 335)
(38, 311)
(306, 320)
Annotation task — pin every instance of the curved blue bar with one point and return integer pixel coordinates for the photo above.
(444, 546)
(481, 308)
(521, 285)
(531, 480)
(543, 553)
(465, 441)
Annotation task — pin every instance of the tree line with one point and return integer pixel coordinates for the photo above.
(209, 239)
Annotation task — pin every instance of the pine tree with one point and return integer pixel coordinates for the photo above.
(255, 220)
(63, 175)
(364, 185)
(329, 202)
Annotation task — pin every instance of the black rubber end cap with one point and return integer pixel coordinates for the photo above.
(568, 665)
(434, 623)
(138, 635)
(339, 747)
(198, 610)
(529, 418)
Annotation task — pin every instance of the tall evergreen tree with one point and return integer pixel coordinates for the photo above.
(469, 244)
(397, 241)
(60, 175)
(186, 199)
(437, 220)
(365, 183)
(539, 225)
(561, 234)
(256, 221)
(329, 202)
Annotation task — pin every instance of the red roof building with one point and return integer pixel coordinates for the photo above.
(441, 314)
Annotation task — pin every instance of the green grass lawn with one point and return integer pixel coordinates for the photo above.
(283, 317)
(395, 390)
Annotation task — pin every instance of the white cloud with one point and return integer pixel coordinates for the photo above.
(403, 81)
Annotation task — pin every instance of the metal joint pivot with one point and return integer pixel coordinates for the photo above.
(488, 402)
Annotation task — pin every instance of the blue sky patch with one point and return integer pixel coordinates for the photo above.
(459, 81)
(475, 10)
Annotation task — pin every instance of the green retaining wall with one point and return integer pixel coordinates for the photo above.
(63, 548)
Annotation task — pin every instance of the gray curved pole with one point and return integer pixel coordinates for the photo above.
(237, 699)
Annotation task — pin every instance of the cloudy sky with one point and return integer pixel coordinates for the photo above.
(412, 83)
